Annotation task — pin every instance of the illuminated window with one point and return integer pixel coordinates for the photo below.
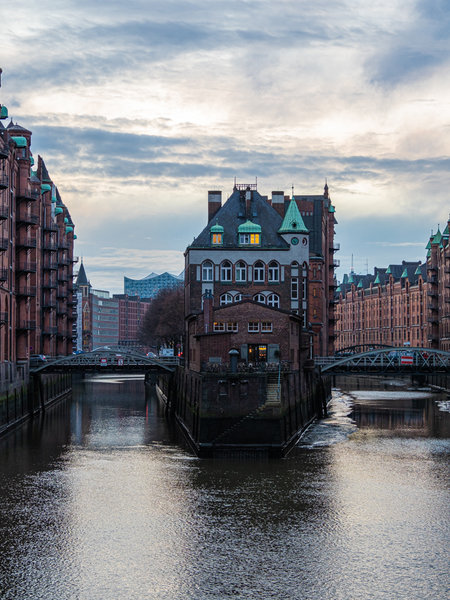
(252, 239)
(241, 271)
(266, 327)
(225, 271)
(274, 272)
(207, 271)
(218, 326)
(273, 300)
(216, 238)
(232, 326)
(259, 272)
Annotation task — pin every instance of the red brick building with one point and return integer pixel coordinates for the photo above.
(407, 304)
(36, 258)
(246, 282)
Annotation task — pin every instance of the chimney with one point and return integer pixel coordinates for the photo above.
(278, 202)
(208, 311)
(214, 203)
(248, 203)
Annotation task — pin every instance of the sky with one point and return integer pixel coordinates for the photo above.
(140, 107)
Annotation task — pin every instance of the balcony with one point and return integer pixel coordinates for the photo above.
(28, 193)
(61, 292)
(64, 261)
(26, 241)
(447, 269)
(48, 304)
(26, 291)
(49, 265)
(27, 266)
(50, 284)
(51, 226)
(26, 325)
(4, 181)
(3, 318)
(432, 268)
(432, 279)
(335, 247)
(4, 151)
(433, 307)
(432, 294)
(64, 245)
(4, 211)
(433, 321)
(61, 308)
(4, 243)
(63, 277)
(50, 245)
(50, 330)
(4, 274)
(27, 217)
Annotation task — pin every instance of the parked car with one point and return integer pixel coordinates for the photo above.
(37, 360)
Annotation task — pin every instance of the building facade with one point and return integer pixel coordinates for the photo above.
(405, 304)
(150, 286)
(246, 283)
(36, 257)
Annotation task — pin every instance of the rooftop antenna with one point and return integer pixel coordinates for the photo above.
(256, 182)
(351, 269)
(292, 191)
(367, 266)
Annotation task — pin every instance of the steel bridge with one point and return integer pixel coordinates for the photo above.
(108, 361)
(399, 360)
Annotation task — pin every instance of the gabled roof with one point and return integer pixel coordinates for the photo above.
(82, 279)
(15, 127)
(437, 238)
(235, 212)
(293, 222)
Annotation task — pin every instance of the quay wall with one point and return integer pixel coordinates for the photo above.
(24, 398)
(217, 411)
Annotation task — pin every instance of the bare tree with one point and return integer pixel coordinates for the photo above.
(163, 323)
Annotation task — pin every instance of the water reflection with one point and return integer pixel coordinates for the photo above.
(98, 500)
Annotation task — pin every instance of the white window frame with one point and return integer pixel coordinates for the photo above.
(274, 272)
(238, 297)
(232, 326)
(253, 327)
(226, 271)
(294, 288)
(218, 326)
(240, 271)
(207, 271)
(259, 270)
(266, 327)
(226, 299)
(259, 298)
(273, 300)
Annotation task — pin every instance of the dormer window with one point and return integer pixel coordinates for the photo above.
(216, 235)
(249, 234)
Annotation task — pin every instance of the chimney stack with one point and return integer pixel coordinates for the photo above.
(214, 203)
(278, 202)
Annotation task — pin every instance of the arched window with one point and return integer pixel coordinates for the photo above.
(259, 298)
(259, 272)
(225, 271)
(274, 272)
(238, 297)
(273, 300)
(207, 271)
(226, 299)
(241, 271)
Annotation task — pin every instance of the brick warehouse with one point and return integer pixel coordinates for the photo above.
(407, 304)
(36, 258)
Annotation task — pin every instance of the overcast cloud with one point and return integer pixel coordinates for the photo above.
(139, 108)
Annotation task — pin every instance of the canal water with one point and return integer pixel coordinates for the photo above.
(99, 501)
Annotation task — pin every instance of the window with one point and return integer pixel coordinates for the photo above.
(249, 238)
(253, 327)
(218, 326)
(225, 271)
(259, 272)
(259, 298)
(232, 326)
(266, 327)
(216, 238)
(238, 297)
(207, 271)
(294, 288)
(274, 272)
(226, 299)
(241, 271)
(273, 300)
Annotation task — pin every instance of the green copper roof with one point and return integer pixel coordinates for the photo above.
(19, 140)
(59, 210)
(69, 229)
(445, 232)
(249, 227)
(338, 289)
(377, 278)
(428, 246)
(428, 253)
(404, 274)
(74, 236)
(31, 161)
(418, 271)
(217, 228)
(66, 220)
(388, 270)
(45, 187)
(3, 112)
(331, 209)
(351, 279)
(345, 280)
(360, 284)
(293, 222)
(437, 238)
